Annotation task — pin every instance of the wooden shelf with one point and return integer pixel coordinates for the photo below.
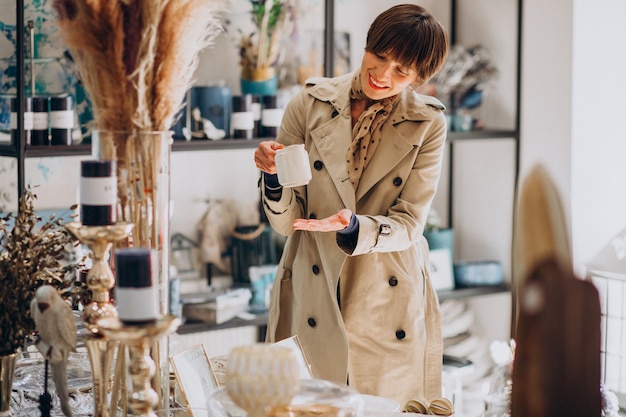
(6, 149)
(223, 144)
(461, 293)
(260, 320)
(57, 150)
(214, 145)
(483, 134)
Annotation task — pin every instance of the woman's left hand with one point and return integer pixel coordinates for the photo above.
(336, 222)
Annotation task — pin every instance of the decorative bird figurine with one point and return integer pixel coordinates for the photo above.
(57, 337)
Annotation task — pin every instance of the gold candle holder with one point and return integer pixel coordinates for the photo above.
(141, 368)
(100, 280)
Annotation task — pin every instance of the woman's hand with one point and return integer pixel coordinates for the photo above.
(265, 154)
(336, 222)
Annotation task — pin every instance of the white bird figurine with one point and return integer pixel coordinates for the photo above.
(57, 337)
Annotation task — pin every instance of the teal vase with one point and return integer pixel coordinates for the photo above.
(440, 239)
(261, 88)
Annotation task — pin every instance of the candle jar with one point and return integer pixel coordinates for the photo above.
(28, 120)
(40, 131)
(257, 110)
(136, 294)
(98, 193)
(61, 120)
(271, 118)
(242, 117)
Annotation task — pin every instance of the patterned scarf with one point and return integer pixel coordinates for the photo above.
(366, 131)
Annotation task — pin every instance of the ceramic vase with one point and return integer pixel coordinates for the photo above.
(261, 82)
(261, 376)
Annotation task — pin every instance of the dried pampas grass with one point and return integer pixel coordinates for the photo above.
(137, 58)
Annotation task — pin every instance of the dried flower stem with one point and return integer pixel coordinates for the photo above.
(30, 257)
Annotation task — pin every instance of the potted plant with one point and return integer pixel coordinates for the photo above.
(259, 50)
(31, 255)
(438, 237)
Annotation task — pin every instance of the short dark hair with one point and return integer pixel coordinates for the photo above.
(412, 36)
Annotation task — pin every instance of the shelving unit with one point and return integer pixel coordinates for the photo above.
(215, 145)
(20, 151)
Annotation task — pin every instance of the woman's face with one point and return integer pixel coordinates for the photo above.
(382, 77)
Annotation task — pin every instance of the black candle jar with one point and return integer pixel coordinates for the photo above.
(271, 117)
(242, 117)
(27, 121)
(41, 129)
(135, 291)
(61, 120)
(98, 193)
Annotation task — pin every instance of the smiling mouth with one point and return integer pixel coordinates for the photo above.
(375, 83)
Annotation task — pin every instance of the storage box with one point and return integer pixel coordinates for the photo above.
(223, 308)
(477, 274)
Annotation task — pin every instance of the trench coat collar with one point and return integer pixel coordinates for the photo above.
(336, 91)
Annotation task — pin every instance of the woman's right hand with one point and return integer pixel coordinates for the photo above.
(265, 154)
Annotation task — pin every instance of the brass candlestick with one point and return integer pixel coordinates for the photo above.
(100, 280)
(141, 368)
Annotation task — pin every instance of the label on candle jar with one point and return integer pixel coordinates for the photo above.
(28, 120)
(272, 117)
(256, 111)
(135, 292)
(40, 121)
(242, 120)
(98, 193)
(40, 132)
(62, 119)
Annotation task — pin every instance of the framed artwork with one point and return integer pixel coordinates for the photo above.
(441, 272)
(195, 378)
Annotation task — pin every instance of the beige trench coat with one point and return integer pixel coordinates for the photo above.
(381, 330)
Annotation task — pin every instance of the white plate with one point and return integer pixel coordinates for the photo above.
(376, 405)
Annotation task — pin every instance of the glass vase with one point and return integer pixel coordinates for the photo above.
(143, 179)
(7, 371)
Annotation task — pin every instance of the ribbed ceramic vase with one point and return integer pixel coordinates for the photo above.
(261, 376)
(7, 371)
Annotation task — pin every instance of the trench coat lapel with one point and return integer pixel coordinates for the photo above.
(333, 138)
(332, 141)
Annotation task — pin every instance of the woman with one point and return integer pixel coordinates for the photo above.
(352, 283)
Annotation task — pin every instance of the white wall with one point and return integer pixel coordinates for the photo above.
(598, 171)
(572, 108)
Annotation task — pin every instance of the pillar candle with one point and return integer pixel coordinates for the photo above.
(136, 292)
(271, 118)
(61, 120)
(257, 109)
(98, 193)
(242, 117)
(40, 132)
(28, 120)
